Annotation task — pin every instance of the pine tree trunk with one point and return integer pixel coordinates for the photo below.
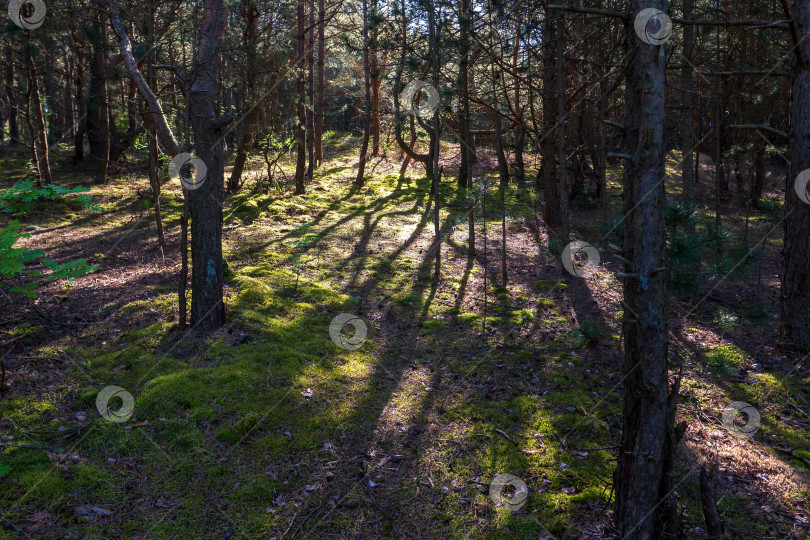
(551, 192)
(795, 275)
(300, 126)
(361, 167)
(98, 115)
(205, 203)
(40, 135)
(247, 128)
(13, 126)
(311, 93)
(465, 174)
(562, 156)
(687, 132)
(320, 101)
(645, 460)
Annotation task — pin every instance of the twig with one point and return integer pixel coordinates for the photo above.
(506, 436)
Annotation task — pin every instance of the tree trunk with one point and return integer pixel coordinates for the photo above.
(465, 176)
(39, 137)
(434, 40)
(154, 178)
(81, 103)
(300, 127)
(520, 139)
(207, 307)
(361, 167)
(67, 98)
(645, 465)
(32, 133)
(759, 176)
(205, 203)
(13, 126)
(320, 101)
(562, 156)
(98, 115)
(795, 275)
(311, 93)
(247, 127)
(55, 116)
(551, 191)
(376, 80)
(503, 166)
(687, 165)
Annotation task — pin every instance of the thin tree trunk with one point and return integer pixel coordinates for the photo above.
(361, 167)
(32, 134)
(562, 157)
(300, 127)
(435, 142)
(54, 118)
(67, 98)
(320, 100)
(40, 134)
(465, 175)
(520, 138)
(759, 176)
(376, 80)
(311, 93)
(13, 126)
(247, 127)
(687, 166)
(154, 179)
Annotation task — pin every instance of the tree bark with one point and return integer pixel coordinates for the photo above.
(205, 203)
(98, 114)
(520, 137)
(551, 191)
(795, 274)
(361, 167)
(13, 125)
(320, 100)
(247, 127)
(300, 127)
(465, 174)
(687, 164)
(642, 476)
(311, 93)
(562, 156)
(40, 135)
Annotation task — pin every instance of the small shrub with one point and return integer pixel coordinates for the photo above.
(725, 319)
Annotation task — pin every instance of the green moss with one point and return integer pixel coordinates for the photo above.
(724, 358)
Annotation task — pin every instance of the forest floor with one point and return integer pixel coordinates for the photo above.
(269, 429)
